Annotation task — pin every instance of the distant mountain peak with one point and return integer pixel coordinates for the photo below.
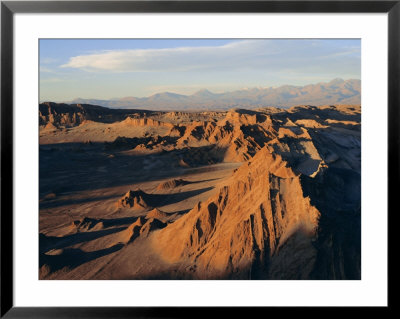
(336, 81)
(167, 94)
(203, 92)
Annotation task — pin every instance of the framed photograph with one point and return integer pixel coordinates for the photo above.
(160, 158)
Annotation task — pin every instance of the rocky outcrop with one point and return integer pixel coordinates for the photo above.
(172, 184)
(135, 199)
(150, 225)
(69, 115)
(160, 215)
(132, 231)
(307, 137)
(146, 122)
(86, 223)
(241, 231)
(140, 228)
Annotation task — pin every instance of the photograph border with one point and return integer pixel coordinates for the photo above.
(9, 8)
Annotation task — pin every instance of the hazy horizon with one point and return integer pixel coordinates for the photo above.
(205, 89)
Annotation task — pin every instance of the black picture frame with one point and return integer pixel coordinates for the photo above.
(9, 8)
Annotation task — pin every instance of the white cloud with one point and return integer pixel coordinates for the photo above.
(271, 55)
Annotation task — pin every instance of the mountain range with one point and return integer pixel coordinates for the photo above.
(337, 91)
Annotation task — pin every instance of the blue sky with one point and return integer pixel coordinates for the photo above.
(115, 68)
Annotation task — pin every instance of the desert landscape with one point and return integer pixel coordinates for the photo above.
(234, 193)
(199, 159)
